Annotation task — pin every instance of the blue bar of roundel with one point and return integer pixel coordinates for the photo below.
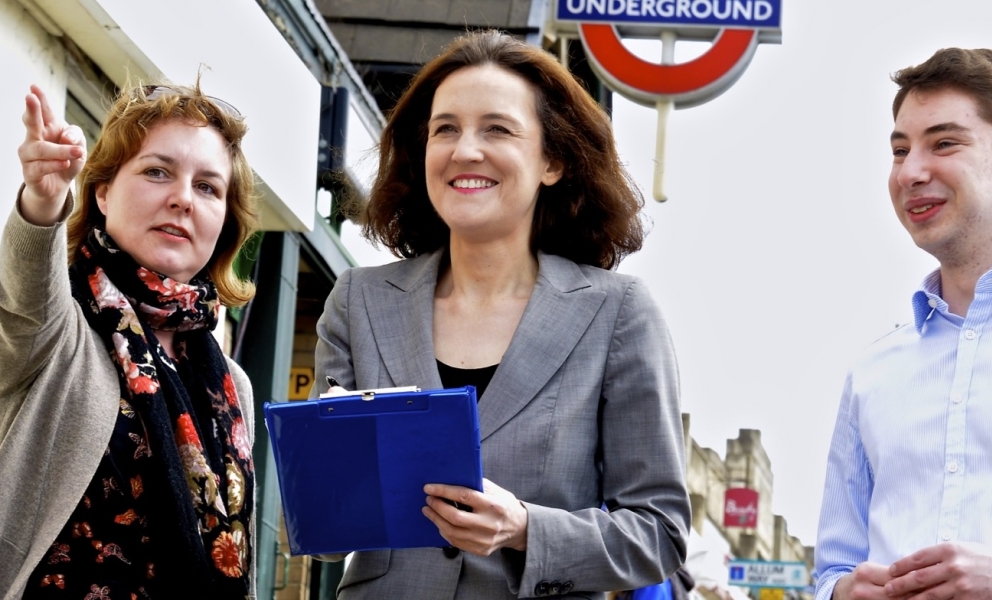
(743, 14)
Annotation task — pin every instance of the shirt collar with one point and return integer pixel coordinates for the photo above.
(928, 298)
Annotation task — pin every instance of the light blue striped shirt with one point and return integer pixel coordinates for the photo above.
(910, 461)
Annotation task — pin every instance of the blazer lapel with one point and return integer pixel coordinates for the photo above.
(559, 311)
(400, 309)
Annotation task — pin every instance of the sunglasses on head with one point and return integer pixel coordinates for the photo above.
(157, 91)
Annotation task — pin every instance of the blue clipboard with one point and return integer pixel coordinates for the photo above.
(352, 469)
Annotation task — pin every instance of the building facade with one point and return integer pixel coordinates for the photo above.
(745, 465)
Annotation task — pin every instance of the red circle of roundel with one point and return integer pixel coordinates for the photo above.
(668, 80)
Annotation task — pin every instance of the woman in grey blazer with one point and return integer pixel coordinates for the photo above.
(500, 185)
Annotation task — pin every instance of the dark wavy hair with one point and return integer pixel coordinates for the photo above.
(132, 116)
(968, 71)
(590, 216)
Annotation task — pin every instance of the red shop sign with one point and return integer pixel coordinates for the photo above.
(740, 508)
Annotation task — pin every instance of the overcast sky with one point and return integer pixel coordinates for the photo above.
(778, 256)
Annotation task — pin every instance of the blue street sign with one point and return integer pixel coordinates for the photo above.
(768, 574)
(746, 14)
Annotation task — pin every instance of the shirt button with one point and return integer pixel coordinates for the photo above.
(932, 303)
(953, 466)
(945, 536)
(969, 334)
(956, 398)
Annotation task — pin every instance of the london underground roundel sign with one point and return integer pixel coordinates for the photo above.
(736, 27)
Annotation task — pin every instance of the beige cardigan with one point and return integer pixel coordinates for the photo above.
(59, 398)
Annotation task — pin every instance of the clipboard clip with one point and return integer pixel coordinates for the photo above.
(369, 395)
(366, 396)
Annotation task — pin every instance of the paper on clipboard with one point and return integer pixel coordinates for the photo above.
(352, 467)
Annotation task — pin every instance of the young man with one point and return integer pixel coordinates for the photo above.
(907, 506)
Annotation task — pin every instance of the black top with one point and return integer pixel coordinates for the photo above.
(452, 377)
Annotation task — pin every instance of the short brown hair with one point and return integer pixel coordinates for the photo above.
(130, 119)
(968, 71)
(591, 215)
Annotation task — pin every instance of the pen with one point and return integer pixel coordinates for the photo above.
(332, 382)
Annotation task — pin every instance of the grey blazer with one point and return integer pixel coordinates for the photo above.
(582, 412)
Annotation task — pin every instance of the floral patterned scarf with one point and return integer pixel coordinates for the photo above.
(190, 409)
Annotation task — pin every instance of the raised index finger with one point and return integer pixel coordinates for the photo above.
(46, 109)
(34, 124)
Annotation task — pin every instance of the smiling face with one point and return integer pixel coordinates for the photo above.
(166, 205)
(485, 157)
(941, 179)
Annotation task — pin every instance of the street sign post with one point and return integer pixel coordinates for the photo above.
(735, 26)
(768, 574)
